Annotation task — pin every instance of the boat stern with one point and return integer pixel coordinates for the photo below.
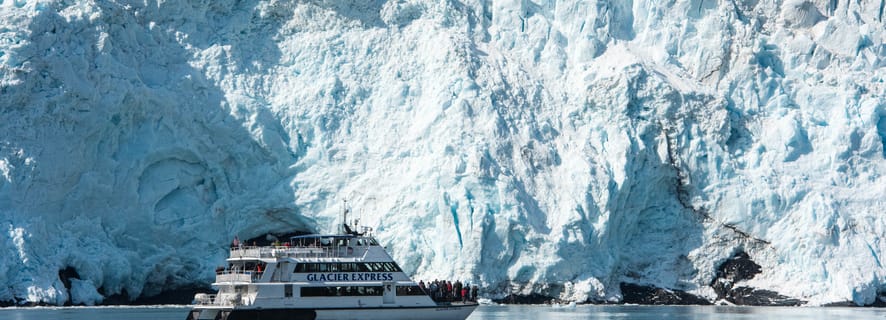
(205, 314)
(210, 307)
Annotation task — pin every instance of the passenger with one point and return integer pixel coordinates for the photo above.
(467, 292)
(456, 293)
(434, 290)
(236, 243)
(464, 294)
(474, 291)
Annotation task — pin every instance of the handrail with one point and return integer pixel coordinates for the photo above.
(204, 299)
(298, 252)
(236, 276)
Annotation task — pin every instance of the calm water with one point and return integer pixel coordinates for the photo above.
(489, 313)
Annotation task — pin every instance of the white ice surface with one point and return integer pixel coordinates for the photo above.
(558, 147)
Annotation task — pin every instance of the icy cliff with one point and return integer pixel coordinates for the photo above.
(552, 147)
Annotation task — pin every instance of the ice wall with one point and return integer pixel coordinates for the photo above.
(529, 146)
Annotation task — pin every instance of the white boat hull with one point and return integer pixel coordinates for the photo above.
(437, 313)
(442, 312)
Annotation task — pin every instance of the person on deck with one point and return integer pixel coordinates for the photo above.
(464, 294)
(236, 243)
(434, 290)
(467, 293)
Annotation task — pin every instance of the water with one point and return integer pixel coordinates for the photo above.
(490, 313)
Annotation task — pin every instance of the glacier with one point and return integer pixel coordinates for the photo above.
(559, 148)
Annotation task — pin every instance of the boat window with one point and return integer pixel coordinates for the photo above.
(410, 291)
(347, 267)
(287, 290)
(341, 291)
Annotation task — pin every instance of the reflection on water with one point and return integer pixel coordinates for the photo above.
(490, 312)
(672, 312)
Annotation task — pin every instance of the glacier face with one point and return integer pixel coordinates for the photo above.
(555, 147)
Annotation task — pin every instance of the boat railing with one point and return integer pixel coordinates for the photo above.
(236, 276)
(205, 299)
(298, 252)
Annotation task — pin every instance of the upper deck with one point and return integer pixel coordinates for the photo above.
(309, 247)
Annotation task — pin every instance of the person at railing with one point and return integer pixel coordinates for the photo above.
(466, 292)
(236, 243)
(434, 290)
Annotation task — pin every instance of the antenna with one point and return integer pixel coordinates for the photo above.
(344, 218)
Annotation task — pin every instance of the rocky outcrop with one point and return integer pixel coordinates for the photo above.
(740, 268)
(640, 294)
(533, 298)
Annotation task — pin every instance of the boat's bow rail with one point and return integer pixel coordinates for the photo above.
(215, 300)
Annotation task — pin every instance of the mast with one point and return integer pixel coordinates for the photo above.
(343, 228)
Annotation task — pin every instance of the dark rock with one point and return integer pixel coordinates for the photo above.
(534, 298)
(639, 294)
(758, 297)
(739, 268)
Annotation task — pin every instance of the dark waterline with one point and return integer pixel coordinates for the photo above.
(491, 312)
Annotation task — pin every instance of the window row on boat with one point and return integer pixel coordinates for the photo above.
(347, 267)
(358, 291)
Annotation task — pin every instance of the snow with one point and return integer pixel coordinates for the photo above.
(527, 146)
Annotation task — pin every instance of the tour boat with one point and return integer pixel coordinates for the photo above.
(341, 276)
